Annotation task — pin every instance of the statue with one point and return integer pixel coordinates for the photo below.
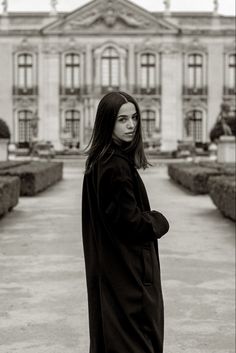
(222, 126)
(224, 112)
(54, 6)
(167, 5)
(4, 6)
(216, 6)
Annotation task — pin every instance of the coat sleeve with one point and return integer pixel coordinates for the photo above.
(119, 207)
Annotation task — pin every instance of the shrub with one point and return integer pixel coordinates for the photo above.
(36, 176)
(4, 130)
(9, 193)
(191, 176)
(222, 190)
(11, 164)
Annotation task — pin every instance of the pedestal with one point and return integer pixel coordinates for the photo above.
(226, 149)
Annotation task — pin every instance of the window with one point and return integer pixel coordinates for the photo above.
(194, 125)
(110, 68)
(148, 70)
(25, 73)
(72, 123)
(72, 73)
(231, 87)
(195, 73)
(24, 124)
(148, 123)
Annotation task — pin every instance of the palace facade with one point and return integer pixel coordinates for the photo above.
(55, 67)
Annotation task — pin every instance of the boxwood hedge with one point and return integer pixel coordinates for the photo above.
(9, 193)
(222, 190)
(192, 176)
(35, 176)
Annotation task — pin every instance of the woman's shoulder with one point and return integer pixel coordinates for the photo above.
(116, 163)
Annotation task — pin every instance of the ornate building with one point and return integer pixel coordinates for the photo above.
(55, 67)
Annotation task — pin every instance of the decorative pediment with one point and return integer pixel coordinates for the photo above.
(109, 15)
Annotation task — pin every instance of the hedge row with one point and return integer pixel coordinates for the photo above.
(9, 193)
(222, 191)
(35, 176)
(12, 164)
(192, 176)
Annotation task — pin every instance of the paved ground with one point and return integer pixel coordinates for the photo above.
(43, 307)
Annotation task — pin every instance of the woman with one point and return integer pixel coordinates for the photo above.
(120, 235)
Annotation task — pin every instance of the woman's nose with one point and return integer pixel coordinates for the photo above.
(131, 123)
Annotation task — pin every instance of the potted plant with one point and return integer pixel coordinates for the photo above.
(4, 140)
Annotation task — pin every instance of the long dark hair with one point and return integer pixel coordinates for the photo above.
(101, 141)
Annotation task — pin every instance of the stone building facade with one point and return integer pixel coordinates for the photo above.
(55, 67)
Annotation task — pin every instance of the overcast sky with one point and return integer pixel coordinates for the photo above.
(225, 6)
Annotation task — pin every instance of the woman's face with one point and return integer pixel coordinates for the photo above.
(126, 123)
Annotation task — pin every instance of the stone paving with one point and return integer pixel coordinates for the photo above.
(43, 302)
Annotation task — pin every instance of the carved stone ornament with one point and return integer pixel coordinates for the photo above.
(51, 48)
(25, 45)
(102, 15)
(194, 103)
(24, 102)
(169, 48)
(194, 45)
(69, 102)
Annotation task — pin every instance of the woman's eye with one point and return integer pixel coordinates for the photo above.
(135, 117)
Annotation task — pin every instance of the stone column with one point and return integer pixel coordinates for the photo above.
(6, 83)
(131, 67)
(215, 83)
(171, 112)
(49, 96)
(89, 68)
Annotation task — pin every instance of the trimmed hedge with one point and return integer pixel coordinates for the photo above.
(192, 176)
(222, 190)
(35, 176)
(223, 168)
(9, 193)
(12, 164)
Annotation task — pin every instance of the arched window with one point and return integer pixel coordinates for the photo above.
(148, 72)
(148, 123)
(24, 127)
(72, 123)
(194, 125)
(195, 73)
(72, 73)
(110, 69)
(24, 73)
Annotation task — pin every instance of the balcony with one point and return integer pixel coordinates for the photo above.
(229, 91)
(195, 91)
(26, 91)
(147, 90)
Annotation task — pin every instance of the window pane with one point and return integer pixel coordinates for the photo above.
(148, 123)
(29, 78)
(73, 123)
(105, 72)
(25, 130)
(194, 126)
(144, 77)
(114, 72)
(198, 83)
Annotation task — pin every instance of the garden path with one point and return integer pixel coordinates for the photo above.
(43, 302)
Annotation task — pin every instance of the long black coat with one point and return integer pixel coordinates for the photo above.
(121, 259)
